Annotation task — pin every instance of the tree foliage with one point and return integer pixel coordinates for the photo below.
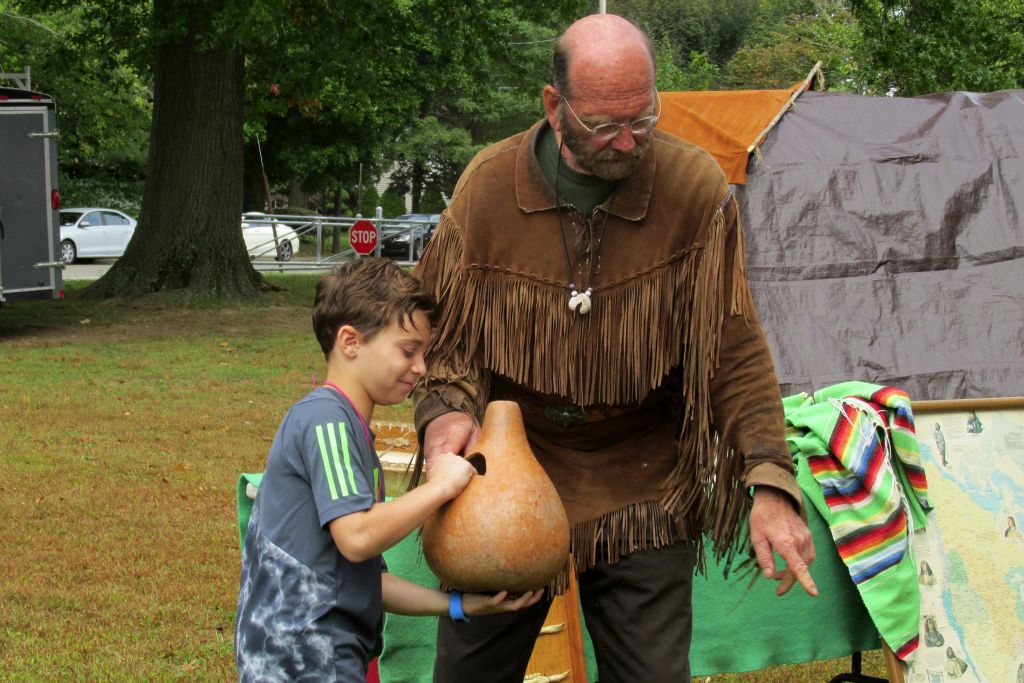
(430, 156)
(104, 102)
(921, 46)
(788, 38)
(704, 45)
(699, 74)
(713, 27)
(456, 67)
(487, 97)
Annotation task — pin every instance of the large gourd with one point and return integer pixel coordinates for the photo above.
(507, 530)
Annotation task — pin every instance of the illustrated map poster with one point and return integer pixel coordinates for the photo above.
(971, 558)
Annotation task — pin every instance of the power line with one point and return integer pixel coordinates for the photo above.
(536, 42)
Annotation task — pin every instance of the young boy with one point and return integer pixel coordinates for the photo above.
(313, 583)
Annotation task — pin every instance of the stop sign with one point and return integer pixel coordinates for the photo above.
(363, 237)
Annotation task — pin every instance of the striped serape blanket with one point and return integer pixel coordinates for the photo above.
(859, 463)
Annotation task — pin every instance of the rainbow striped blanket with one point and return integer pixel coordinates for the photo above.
(859, 463)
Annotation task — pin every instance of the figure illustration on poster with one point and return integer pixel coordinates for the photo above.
(940, 442)
(955, 667)
(1012, 532)
(932, 637)
(926, 577)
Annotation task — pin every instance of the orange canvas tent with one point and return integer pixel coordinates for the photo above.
(729, 124)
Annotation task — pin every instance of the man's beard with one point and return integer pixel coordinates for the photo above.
(607, 163)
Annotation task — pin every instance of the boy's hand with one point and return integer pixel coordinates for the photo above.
(452, 432)
(450, 473)
(476, 604)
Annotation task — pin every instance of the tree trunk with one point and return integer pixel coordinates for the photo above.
(339, 192)
(252, 181)
(417, 186)
(297, 199)
(189, 236)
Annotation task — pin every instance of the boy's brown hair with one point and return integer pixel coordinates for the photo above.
(368, 294)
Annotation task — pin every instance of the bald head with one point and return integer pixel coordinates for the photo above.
(600, 54)
(603, 74)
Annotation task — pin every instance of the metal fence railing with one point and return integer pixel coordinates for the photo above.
(316, 237)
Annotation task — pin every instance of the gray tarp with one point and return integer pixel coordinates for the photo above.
(885, 243)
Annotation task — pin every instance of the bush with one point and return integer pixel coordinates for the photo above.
(432, 202)
(371, 200)
(296, 211)
(102, 190)
(391, 202)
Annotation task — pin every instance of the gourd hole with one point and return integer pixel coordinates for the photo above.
(479, 463)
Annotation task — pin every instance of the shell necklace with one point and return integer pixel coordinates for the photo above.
(580, 302)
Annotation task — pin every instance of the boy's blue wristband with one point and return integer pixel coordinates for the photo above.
(455, 607)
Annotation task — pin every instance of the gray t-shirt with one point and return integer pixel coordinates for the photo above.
(305, 613)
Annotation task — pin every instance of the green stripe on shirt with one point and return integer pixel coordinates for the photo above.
(334, 451)
(327, 462)
(348, 461)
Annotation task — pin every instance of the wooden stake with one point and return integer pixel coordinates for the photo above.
(796, 93)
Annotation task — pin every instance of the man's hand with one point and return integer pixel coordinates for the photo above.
(449, 433)
(776, 525)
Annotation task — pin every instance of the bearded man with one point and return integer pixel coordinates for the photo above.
(591, 269)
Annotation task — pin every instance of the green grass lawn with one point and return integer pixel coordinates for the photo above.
(124, 428)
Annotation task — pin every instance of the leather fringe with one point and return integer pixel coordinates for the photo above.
(621, 532)
(500, 309)
(442, 258)
(707, 482)
(742, 302)
(614, 535)
(641, 526)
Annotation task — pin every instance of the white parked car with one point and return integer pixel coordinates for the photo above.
(94, 233)
(259, 237)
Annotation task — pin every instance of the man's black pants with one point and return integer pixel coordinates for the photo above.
(638, 612)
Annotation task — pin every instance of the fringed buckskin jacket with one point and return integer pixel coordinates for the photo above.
(668, 381)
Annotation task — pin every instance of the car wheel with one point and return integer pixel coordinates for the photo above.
(284, 252)
(68, 253)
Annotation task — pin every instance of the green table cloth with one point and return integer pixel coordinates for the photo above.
(737, 627)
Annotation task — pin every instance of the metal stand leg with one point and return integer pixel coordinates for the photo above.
(855, 676)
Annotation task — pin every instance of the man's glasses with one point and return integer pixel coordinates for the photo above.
(607, 131)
